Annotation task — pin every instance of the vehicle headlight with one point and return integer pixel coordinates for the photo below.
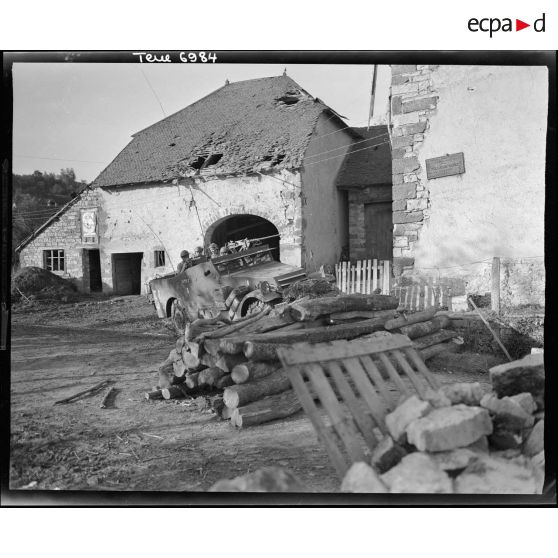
(264, 287)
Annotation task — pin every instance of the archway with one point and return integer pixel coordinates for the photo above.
(239, 227)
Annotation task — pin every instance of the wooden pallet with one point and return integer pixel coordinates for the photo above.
(348, 378)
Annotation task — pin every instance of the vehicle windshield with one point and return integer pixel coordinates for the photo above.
(242, 260)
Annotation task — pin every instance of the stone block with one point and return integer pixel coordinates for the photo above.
(397, 179)
(525, 401)
(418, 473)
(454, 460)
(524, 375)
(387, 454)
(399, 205)
(416, 128)
(466, 393)
(397, 69)
(407, 217)
(404, 191)
(405, 165)
(411, 409)
(266, 479)
(396, 105)
(449, 428)
(362, 478)
(535, 441)
(398, 153)
(507, 412)
(405, 119)
(491, 475)
(409, 87)
(436, 398)
(417, 204)
(426, 103)
(402, 141)
(400, 79)
(400, 242)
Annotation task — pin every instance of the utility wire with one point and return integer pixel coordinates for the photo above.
(56, 159)
(153, 91)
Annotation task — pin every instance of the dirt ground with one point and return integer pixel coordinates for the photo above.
(60, 349)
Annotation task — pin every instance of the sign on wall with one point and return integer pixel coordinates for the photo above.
(447, 165)
(89, 225)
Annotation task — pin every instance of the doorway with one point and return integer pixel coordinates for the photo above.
(126, 273)
(379, 230)
(93, 266)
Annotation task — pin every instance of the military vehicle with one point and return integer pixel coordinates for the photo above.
(231, 286)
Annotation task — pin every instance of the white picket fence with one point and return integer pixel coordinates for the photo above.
(365, 277)
(422, 296)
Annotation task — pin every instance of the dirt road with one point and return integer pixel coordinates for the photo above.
(138, 445)
(58, 350)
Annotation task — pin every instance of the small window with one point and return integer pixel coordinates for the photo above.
(159, 258)
(54, 260)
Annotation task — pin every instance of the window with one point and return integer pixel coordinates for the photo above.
(54, 260)
(159, 258)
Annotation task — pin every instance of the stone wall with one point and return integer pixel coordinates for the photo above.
(64, 233)
(454, 225)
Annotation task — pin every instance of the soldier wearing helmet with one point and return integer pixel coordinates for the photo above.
(213, 250)
(186, 261)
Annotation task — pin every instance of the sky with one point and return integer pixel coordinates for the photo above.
(82, 115)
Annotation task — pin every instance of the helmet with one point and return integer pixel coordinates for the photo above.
(213, 246)
(198, 249)
(184, 254)
(223, 251)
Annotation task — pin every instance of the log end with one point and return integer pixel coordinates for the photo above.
(230, 397)
(240, 374)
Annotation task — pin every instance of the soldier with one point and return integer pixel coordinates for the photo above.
(185, 263)
(198, 252)
(224, 251)
(213, 250)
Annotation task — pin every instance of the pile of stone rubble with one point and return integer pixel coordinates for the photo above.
(459, 440)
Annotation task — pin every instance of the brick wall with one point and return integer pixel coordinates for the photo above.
(64, 233)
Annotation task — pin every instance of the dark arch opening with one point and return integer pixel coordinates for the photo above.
(239, 227)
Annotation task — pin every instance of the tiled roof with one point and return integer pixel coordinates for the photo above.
(247, 126)
(369, 162)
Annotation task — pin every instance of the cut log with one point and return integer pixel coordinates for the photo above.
(230, 346)
(227, 330)
(433, 339)
(262, 351)
(252, 370)
(433, 350)
(238, 395)
(209, 376)
(192, 380)
(194, 348)
(316, 307)
(179, 368)
(362, 314)
(175, 355)
(226, 413)
(200, 326)
(228, 362)
(209, 359)
(267, 409)
(224, 382)
(191, 362)
(167, 367)
(408, 319)
(155, 394)
(211, 346)
(180, 344)
(421, 329)
(174, 392)
(271, 324)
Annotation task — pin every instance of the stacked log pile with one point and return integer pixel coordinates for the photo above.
(237, 363)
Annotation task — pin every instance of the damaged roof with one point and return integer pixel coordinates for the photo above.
(242, 127)
(369, 161)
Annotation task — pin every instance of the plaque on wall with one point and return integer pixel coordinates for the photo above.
(89, 225)
(447, 165)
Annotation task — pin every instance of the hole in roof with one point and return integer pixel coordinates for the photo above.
(290, 97)
(172, 144)
(213, 159)
(198, 163)
(279, 158)
(267, 158)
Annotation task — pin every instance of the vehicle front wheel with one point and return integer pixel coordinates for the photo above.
(178, 317)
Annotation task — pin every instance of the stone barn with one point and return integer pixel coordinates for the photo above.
(254, 159)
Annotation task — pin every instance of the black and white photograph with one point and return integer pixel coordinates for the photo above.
(259, 273)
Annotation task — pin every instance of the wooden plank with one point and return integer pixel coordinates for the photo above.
(421, 367)
(407, 296)
(367, 392)
(343, 277)
(368, 276)
(408, 369)
(362, 419)
(421, 297)
(387, 275)
(303, 353)
(344, 428)
(358, 273)
(376, 377)
(374, 275)
(338, 275)
(307, 402)
(380, 277)
(393, 374)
